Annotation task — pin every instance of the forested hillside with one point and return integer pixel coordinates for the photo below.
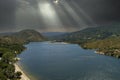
(10, 46)
(8, 54)
(105, 39)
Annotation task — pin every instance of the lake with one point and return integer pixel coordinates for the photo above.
(56, 61)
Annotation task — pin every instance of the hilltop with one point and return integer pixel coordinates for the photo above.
(23, 36)
(89, 34)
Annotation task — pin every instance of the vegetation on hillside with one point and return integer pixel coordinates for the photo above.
(23, 36)
(95, 33)
(8, 53)
(105, 39)
(12, 45)
(109, 46)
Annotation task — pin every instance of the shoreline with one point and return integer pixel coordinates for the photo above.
(98, 52)
(59, 42)
(23, 76)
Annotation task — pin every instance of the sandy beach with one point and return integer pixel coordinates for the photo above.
(23, 76)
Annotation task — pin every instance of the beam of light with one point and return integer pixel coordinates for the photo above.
(74, 15)
(50, 16)
(63, 15)
(56, 1)
(46, 10)
(84, 14)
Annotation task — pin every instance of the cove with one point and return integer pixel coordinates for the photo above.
(58, 61)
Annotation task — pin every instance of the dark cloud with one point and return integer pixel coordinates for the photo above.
(23, 14)
(102, 11)
(7, 13)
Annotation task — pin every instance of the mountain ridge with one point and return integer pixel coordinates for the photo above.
(95, 33)
(23, 36)
(105, 39)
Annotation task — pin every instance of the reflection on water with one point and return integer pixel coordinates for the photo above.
(49, 61)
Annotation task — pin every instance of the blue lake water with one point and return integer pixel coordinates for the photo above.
(56, 61)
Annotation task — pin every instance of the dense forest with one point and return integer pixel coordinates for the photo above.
(8, 53)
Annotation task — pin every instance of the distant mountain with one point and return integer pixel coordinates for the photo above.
(6, 33)
(95, 33)
(52, 34)
(22, 36)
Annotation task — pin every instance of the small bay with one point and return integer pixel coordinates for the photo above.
(59, 61)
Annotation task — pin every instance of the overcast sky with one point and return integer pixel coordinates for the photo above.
(61, 16)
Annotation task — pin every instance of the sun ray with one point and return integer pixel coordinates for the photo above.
(74, 15)
(50, 16)
(84, 14)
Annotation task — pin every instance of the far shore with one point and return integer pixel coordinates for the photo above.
(58, 42)
(98, 52)
(23, 76)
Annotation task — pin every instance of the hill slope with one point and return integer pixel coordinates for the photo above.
(96, 33)
(22, 37)
(105, 39)
(109, 46)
